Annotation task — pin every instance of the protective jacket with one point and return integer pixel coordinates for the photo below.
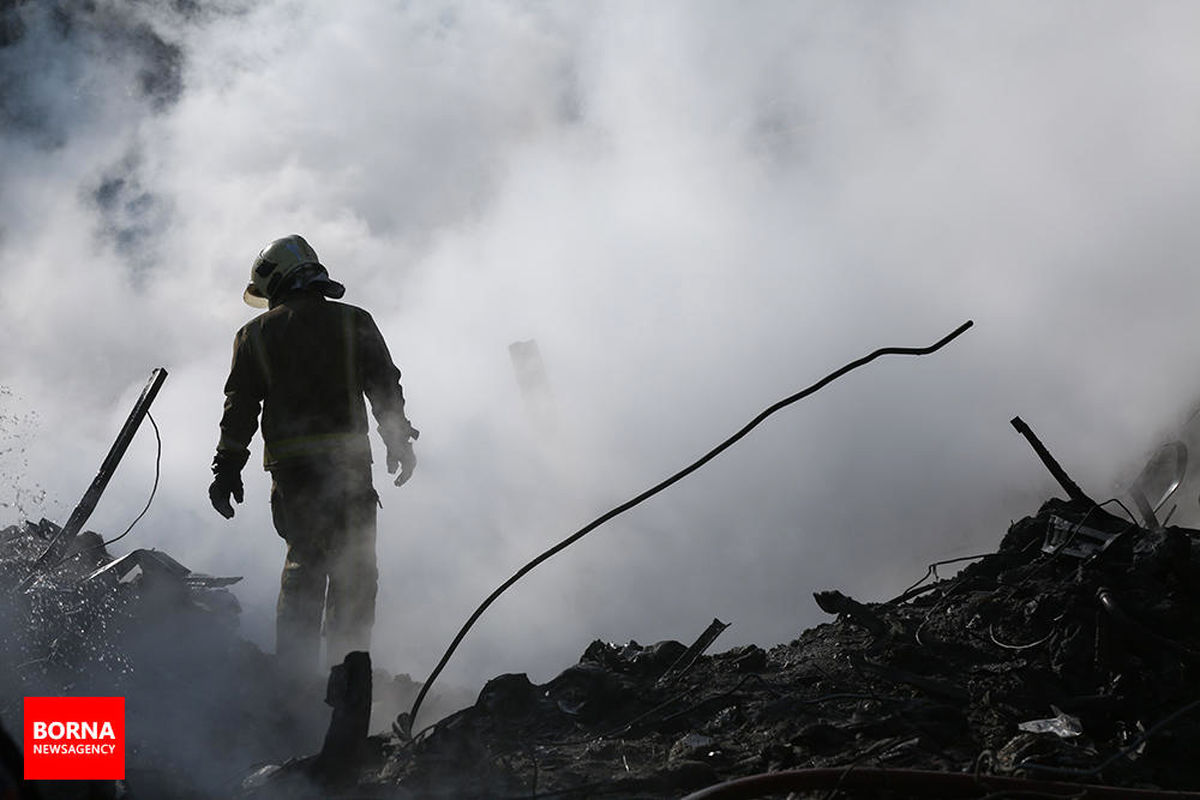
(307, 363)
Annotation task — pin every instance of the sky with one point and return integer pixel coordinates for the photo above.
(694, 208)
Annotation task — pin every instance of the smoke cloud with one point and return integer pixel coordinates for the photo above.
(694, 208)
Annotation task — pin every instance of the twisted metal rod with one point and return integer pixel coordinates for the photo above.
(406, 722)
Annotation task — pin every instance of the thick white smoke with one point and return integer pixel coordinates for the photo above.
(695, 208)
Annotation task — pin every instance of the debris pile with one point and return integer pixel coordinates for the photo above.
(201, 706)
(1069, 655)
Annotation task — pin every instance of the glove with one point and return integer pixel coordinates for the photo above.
(224, 486)
(405, 459)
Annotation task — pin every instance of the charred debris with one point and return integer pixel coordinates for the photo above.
(1067, 658)
(1064, 664)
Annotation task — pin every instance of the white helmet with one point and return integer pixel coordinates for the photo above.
(279, 260)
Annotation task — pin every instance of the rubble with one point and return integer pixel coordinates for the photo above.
(1067, 657)
(1036, 667)
(204, 707)
(201, 702)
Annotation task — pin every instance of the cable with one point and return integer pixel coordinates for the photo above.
(931, 572)
(138, 518)
(923, 782)
(153, 489)
(678, 476)
(998, 643)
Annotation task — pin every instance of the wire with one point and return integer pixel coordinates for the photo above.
(153, 489)
(931, 572)
(138, 518)
(678, 476)
(998, 643)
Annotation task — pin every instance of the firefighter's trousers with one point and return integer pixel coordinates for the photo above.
(325, 511)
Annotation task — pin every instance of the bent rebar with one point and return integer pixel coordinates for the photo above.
(1069, 486)
(407, 721)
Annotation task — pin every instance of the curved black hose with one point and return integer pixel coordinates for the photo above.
(678, 476)
(926, 783)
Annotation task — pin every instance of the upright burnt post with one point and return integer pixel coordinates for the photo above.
(1064, 480)
(115, 453)
(349, 693)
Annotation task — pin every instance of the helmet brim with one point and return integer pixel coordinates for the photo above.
(253, 298)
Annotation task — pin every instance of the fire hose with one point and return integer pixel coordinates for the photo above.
(404, 721)
(926, 783)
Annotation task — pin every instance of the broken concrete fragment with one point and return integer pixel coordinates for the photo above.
(508, 695)
(587, 691)
(750, 658)
(650, 662)
(694, 747)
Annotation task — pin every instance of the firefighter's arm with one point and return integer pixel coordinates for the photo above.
(381, 384)
(243, 397)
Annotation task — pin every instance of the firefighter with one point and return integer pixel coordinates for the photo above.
(308, 362)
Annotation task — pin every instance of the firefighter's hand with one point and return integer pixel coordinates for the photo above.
(224, 487)
(404, 459)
